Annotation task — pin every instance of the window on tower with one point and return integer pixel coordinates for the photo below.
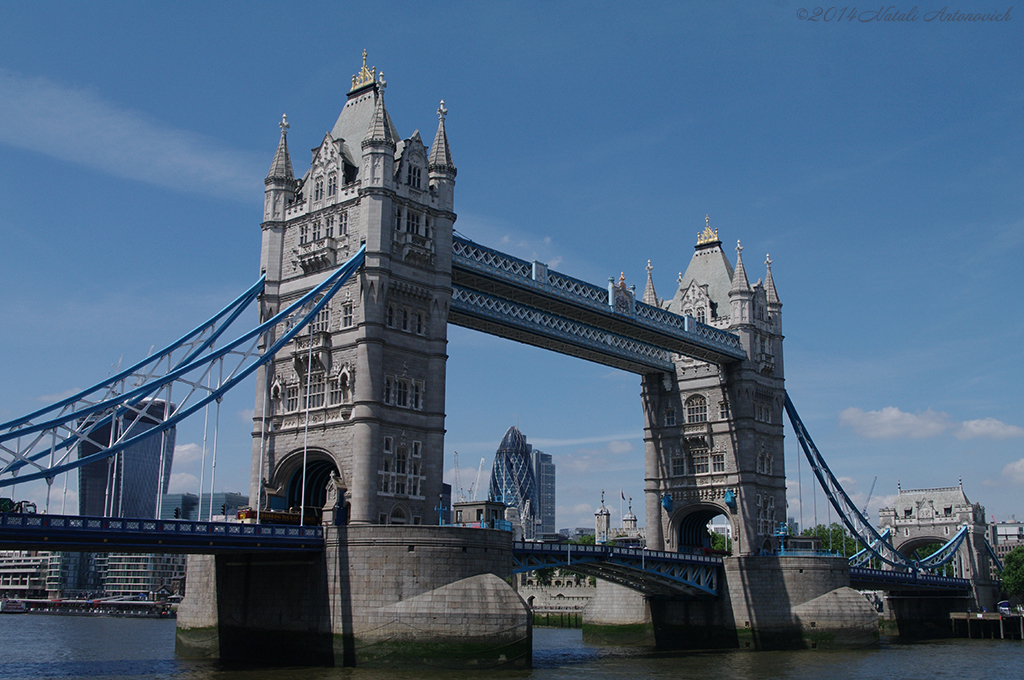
(332, 184)
(696, 409)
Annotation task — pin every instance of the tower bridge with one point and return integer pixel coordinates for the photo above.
(361, 275)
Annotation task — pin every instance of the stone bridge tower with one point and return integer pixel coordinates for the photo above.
(713, 435)
(931, 517)
(361, 391)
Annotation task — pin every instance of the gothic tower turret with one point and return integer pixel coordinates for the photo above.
(714, 439)
(360, 393)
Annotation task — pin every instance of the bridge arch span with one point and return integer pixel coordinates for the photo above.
(909, 545)
(690, 523)
(320, 465)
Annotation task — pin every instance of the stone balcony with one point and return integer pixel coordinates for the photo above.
(414, 248)
(319, 344)
(695, 430)
(317, 255)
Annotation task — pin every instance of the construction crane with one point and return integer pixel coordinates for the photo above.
(475, 489)
(870, 493)
(458, 481)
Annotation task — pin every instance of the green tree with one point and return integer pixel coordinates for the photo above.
(585, 539)
(926, 550)
(1013, 572)
(720, 542)
(544, 575)
(834, 538)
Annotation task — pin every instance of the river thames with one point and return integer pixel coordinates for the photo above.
(36, 646)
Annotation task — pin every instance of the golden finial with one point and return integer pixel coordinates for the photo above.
(622, 280)
(365, 75)
(707, 236)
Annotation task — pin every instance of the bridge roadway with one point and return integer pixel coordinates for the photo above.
(647, 571)
(502, 295)
(110, 534)
(863, 578)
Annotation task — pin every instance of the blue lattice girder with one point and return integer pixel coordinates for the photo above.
(647, 571)
(490, 272)
(532, 326)
(53, 432)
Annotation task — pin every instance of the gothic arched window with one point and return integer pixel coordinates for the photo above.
(696, 409)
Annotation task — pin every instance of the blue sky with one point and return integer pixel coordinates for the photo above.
(880, 163)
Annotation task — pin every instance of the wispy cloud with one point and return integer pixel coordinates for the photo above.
(1014, 472)
(78, 126)
(613, 440)
(183, 482)
(60, 396)
(987, 428)
(892, 423)
(608, 459)
(186, 453)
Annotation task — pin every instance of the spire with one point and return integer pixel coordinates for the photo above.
(379, 131)
(650, 297)
(769, 282)
(281, 167)
(740, 284)
(440, 156)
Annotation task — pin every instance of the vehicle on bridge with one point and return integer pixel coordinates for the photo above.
(20, 507)
(313, 516)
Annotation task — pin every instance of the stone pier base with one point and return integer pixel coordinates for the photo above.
(379, 596)
(765, 603)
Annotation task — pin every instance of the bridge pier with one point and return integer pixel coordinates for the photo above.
(765, 603)
(379, 596)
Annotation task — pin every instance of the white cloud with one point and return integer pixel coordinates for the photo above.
(187, 453)
(1014, 471)
(987, 428)
(892, 423)
(619, 447)
(183, 482)
(78, 126)
(246, 415)
(53, 398)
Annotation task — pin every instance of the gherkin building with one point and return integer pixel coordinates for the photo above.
(512, 480)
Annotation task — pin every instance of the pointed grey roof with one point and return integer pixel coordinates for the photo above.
(380, 129)
(440, 155)
(650, 296)
(769, 282)
(740, 283)
(708, 267)
(354, 121)
(281, 167)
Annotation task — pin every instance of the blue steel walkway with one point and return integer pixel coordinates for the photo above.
(648, 571)
(108, 534)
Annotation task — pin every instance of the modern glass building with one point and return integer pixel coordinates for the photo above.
(129, 483)
(524, 479)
